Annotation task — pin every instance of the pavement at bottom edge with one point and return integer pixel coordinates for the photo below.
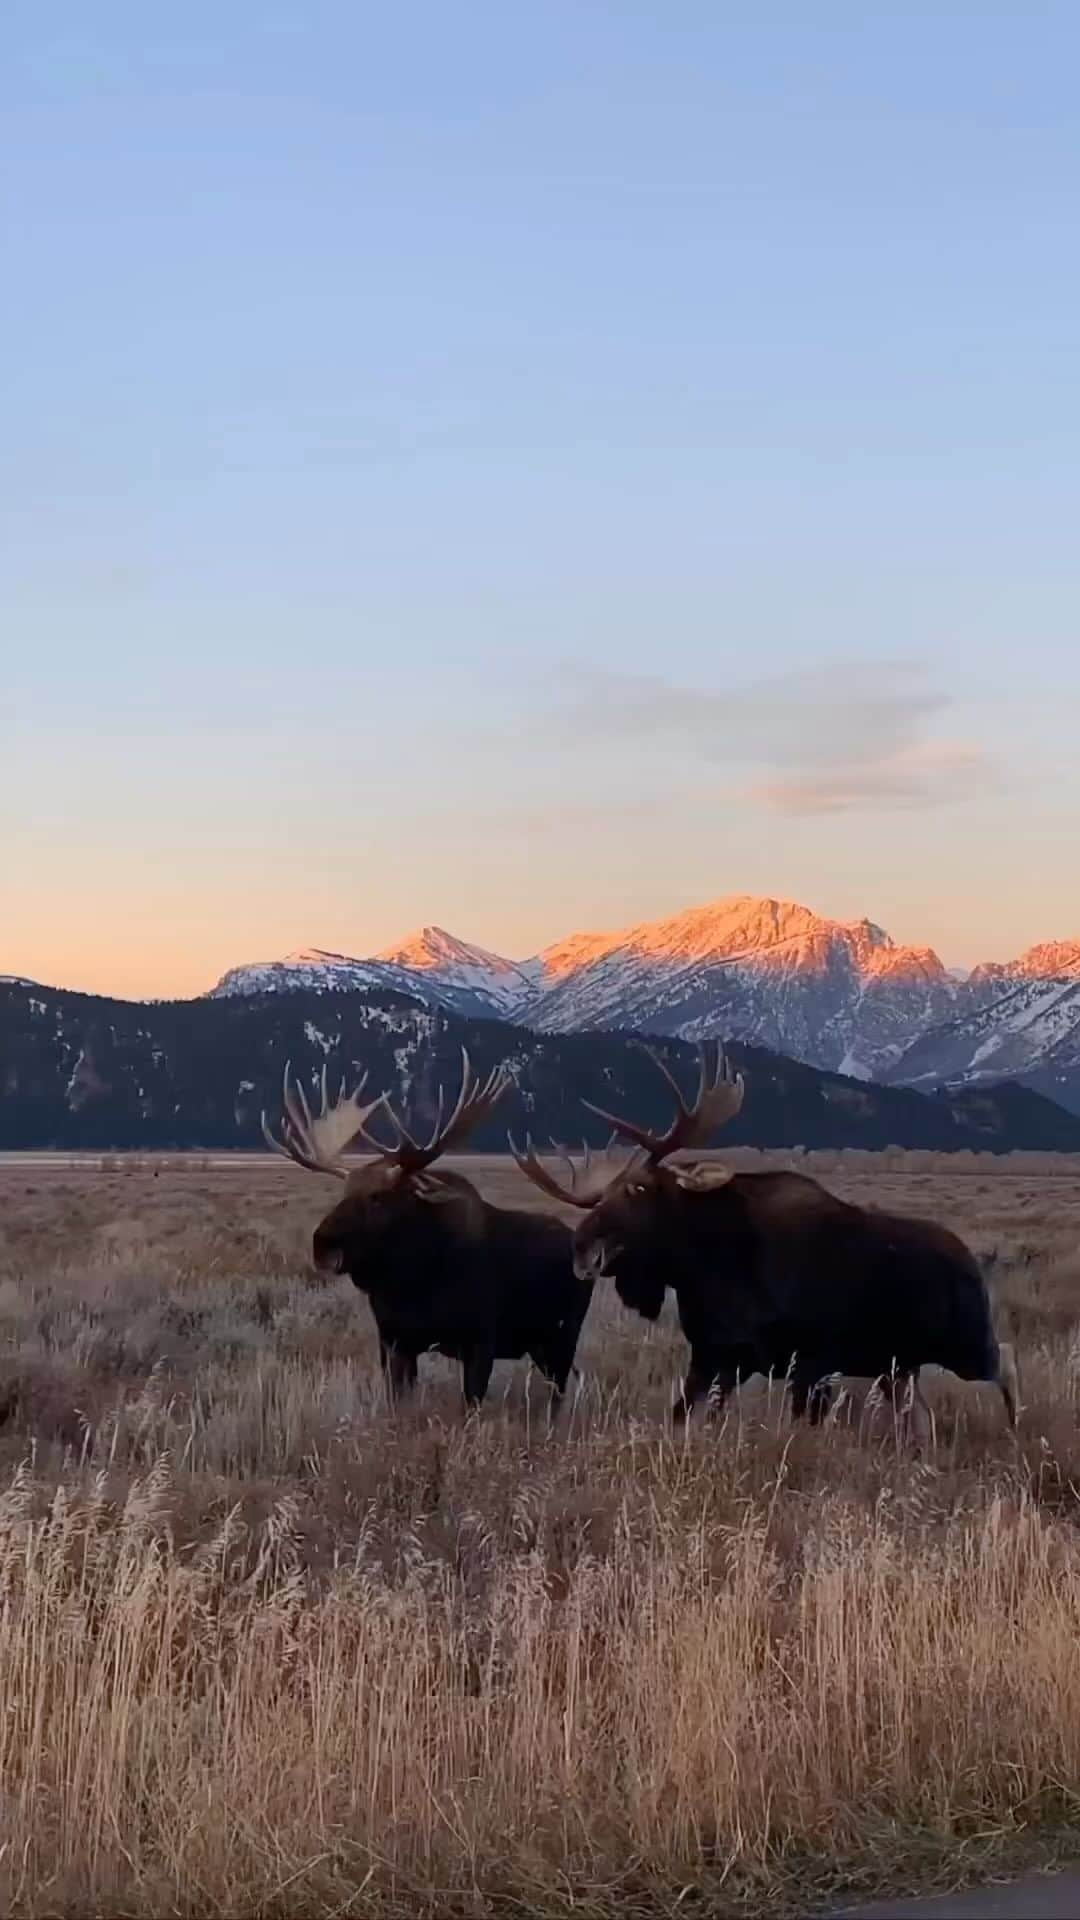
(1039, 1896)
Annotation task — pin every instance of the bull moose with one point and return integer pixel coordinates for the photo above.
(443, 1269)
(771, 1272)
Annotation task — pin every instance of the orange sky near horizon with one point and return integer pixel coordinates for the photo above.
(534, 474)
(162, 934)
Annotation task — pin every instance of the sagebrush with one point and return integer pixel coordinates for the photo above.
(269, 1647)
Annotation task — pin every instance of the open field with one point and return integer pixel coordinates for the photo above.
(268, 1647)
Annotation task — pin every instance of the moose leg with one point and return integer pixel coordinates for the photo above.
(1008, 1379)
(476, 1373)
(399, 1370)
(701, 1383)
(902, 1390)
(556, 1363)
(810, 1388)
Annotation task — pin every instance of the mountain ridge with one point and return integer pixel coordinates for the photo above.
(80, 1071)
(840, 995)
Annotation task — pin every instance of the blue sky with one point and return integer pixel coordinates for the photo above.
(528, 468)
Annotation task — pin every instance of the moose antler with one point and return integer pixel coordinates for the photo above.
(587, 1184)
(474, 1102)
(316, 1141)
(718, 1099)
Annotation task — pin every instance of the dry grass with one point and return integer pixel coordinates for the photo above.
(268, 1648)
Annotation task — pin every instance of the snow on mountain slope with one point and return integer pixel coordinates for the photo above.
(1029, 1031)
(309, 967)
(1054, 959)
(441, 957)
(439, 971)
(729, 929)
(839, 994)
(836, 994)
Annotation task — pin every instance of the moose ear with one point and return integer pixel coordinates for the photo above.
(701, 1179)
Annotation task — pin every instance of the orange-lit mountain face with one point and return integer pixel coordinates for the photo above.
(1053, 960)
(841, 994)
(431, 950)
(775, 934)
(836, 994)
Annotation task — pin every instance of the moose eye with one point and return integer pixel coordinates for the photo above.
(639, 1188)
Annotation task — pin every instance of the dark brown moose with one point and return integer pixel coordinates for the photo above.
(771, 1272)
(443, 1269)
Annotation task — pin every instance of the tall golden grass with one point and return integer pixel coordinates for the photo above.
(267, 1647)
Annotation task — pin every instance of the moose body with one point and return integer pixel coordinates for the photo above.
(447, 1272)
(771, 1272)
(443, 1269)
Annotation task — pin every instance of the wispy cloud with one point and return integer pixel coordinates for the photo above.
(926, 774)
(833, 739)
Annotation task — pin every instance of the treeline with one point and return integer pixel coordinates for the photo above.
(80, 1072)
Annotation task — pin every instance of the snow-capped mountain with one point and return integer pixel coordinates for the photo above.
(430, 965)
(1011, 1023)
(840, 994)
(1012, 1020)
(450, 963)
(1017, 1032)
(836, 994)
(1053, 958)
(309, 967)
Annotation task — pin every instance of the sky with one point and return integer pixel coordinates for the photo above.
(534, 468)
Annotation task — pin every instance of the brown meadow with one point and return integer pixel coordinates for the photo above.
(270, 1647)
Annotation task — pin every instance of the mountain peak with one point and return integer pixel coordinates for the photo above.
(834, 993)
(448, 962)
(315, 957)
(427, 947)
(744, 927)
(841, 993)
(1058, 959)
